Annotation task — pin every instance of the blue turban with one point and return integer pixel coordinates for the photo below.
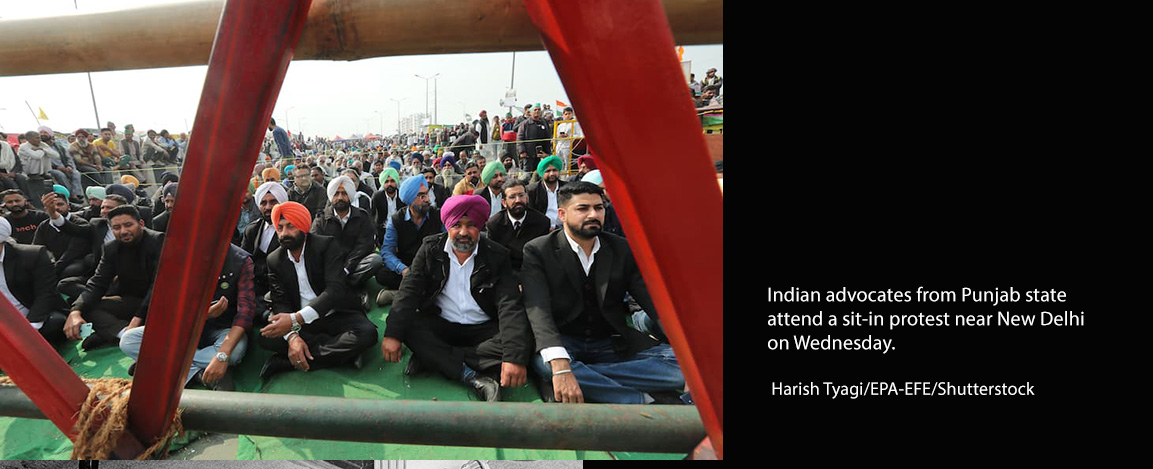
(394, 164)
(417, 156)
(57, 188)
(447, 159)
(410, 187)
(288, 169)
(121, 190)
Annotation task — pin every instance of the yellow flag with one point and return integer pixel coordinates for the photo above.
(43, 116)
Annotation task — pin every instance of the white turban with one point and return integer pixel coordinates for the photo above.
(346, 182)
(5, 230)
(594, 177)
(275, 188)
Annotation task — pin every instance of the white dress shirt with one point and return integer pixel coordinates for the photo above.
(551, 210)
(456, 302)
(307, 294)
(266, 236)
(495, 200)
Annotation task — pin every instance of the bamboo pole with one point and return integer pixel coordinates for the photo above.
(139, 38)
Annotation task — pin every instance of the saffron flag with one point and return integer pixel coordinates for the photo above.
(561, 104)
(42, 116)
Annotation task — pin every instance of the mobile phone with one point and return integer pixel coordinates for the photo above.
(538, 149)
(85, 330)
(48, 189)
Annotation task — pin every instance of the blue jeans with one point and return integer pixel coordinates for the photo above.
(606, 377)
(130, 344)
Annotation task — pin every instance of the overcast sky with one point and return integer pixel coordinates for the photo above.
(319, 97)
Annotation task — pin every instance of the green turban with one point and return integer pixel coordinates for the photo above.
(553, 161)
(490, 171)
(389, 173)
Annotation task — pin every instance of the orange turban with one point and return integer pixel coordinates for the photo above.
(294, 213)
(270, 174)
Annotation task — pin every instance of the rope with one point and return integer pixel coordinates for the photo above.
(97, 434)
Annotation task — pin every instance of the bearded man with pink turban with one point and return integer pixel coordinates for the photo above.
(459, 309)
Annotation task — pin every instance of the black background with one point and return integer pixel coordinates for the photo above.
(915, 158)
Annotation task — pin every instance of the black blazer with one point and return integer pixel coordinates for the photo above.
(538, 195)
(100, 285)
(324, 260)
(494, 287)
(552, 278)
(160, 223)
(32, 280)
(380, 212)
(500, 230)
(94, 231)
(442, 193)
(259, 259)
(356, 237)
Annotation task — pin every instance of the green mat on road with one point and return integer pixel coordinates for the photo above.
(39, 439)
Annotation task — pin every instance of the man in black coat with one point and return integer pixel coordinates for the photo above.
(534, 133)
(56, 241)
(437, 193)
(575, 281)
(131, 260)
(517, 224)
(27, 280)
(306, 192)
(80, 260)
(542, 195)
(260, 236)
(353, 230)
(317, 321)
(459, 309)
(386, 201)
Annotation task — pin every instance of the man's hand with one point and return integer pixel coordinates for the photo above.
(67, 171)
(49, 202)
(278, 325)
(298, 353)
(512, 375)
(390, 348)
(565, 387)
(215, 371)
(404, 273)
(72, 325)
(218, 308)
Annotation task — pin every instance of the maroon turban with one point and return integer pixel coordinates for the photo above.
(459, 206)
(587, 161)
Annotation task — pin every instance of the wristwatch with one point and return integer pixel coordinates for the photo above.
(295, 325)
(222, 357)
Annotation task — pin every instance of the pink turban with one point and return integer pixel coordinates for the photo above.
(294, 213)
(459, 206)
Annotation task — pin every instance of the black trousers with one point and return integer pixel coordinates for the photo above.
(446, 347)
(111, 315)
(53, 328)
(388, 279)
(333, 340)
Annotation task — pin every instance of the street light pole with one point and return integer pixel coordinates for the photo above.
(430, 117)
(397, 101)
(286, 117)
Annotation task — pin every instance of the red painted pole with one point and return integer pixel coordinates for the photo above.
(250, 56)
(39, 371)
(618, 64)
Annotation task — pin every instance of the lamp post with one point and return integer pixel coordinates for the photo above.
(434, 103)
(286, 117)
(381, 123)
(397, 101)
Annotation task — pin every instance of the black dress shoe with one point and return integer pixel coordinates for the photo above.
(93, 342)
(414, 367)
(132, 369)
(546, 390)
(358, 362)
(485, 388)
(667, 398)
(197, 379)
(276, 364)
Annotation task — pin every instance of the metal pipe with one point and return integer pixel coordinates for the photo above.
(604, 427)
(336, 30)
